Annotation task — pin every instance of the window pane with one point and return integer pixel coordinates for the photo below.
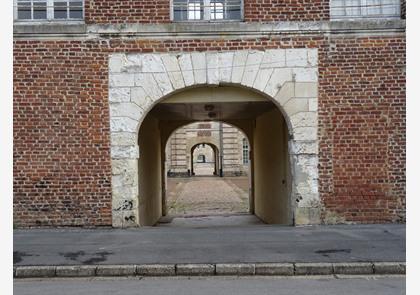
(373, 7)
(40, 9)
(24, 10)
(391, 7)
(233, 10)
(217, 10)
(180, 10)
(76, 9)
(188, 9)
(195, 10)
(353, 8)
(60, 10)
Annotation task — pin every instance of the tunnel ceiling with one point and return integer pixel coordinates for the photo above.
(211, 111)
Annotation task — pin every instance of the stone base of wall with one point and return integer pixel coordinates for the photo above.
(178, 174)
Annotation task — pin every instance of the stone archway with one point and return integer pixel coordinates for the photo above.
(216, 157)
(195, 141)
(287, 77)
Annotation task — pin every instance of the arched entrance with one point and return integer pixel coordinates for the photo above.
(271, 96)
(214, 159)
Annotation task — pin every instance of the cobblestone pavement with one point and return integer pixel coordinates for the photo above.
(209, 195)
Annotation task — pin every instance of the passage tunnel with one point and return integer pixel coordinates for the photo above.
(260, 120)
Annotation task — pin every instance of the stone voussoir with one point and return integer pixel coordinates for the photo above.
(116, 270)
(389, 267)
(313, 269)
(156, 270)
(235, 269)
(274, 269)
(195, 269)
(35, 271)
(76, 271)
(353, 268)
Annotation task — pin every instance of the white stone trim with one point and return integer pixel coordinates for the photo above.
(289, 78)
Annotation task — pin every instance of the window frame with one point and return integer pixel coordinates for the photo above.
(363, 6)
(245, 151)
(206, 15)
(50, 13)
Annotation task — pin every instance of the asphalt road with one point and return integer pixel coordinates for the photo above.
(215, 285)
(252, 243)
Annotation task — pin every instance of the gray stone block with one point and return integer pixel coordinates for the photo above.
(274, 269)
(35, 271)
(156, 270)
(313, 269)
(389, 268)
(235, 269)
(195, 269)
(116, 270)
(353, 268)
(76, 271)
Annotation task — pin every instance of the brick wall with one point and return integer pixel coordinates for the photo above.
(362, 132)
(127, 11)
(158, 11)
(62, 166)
(286, 10)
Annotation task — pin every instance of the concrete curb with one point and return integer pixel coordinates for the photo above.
(235, 269)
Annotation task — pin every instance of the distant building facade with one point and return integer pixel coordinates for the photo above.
(220, 144)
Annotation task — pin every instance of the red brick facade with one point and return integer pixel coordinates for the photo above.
(286, 10)
(62, 170)
(158, 11)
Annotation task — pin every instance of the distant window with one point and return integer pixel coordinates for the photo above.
(245, 151)
(196, 10)
(38, 10)
(352, 9)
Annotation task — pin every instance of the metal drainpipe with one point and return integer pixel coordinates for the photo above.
(221, 148)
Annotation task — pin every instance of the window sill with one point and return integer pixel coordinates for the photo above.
(208, 21)
(48, 21)
(49, 27)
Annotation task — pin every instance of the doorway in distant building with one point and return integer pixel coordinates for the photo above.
(207, 171)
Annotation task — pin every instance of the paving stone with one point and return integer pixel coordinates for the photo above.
(235, 269)
(389, 267)
(116, 270)
(281, 269)
(195, 269)
(313, 269)
(35, 271)
(76, 271)
(156, 270)
(356, 268)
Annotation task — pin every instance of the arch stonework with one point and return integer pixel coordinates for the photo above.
(191, 142)
(287, 77)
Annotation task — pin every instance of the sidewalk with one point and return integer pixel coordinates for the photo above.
(246, 245)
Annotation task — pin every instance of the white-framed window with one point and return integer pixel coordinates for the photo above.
(207, 10)
(42, 10)
(355, 9)
(245, 151)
